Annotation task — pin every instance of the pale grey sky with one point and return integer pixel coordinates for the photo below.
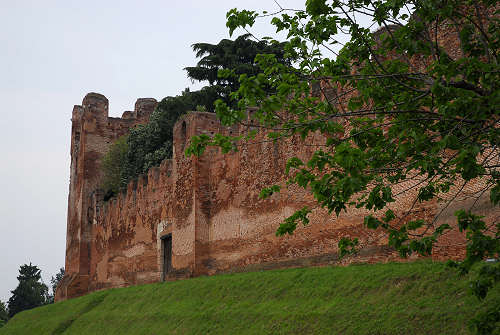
(52, 54)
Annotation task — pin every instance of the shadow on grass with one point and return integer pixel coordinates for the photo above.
(63, 326)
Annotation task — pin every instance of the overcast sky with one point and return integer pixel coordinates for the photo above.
(52, 54)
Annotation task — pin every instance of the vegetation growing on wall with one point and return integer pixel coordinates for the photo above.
(112, 165)
(149, 144)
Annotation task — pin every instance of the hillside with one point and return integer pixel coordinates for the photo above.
(394, 298)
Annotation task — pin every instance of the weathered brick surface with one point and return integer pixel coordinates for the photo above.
(91, 134)
(210, 205)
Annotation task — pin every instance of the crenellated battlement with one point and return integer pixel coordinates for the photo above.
(198, 215)
(203, 215)
(92, 132)
(156, 178)
(96, 105)
(139, 190)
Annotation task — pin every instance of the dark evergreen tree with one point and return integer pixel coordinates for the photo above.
(237, 56)
(31, 292)
(4, 314)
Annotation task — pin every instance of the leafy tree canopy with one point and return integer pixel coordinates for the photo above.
(31, 292)
(399, 109)
(54, 281)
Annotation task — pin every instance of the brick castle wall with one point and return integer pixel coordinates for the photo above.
(210, 206)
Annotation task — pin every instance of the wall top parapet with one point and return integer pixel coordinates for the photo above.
(96, 105)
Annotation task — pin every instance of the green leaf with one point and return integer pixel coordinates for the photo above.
(317, 7)
(268, 191)
(293, 162)
(347, 246)
(236, 19)
(495, 194)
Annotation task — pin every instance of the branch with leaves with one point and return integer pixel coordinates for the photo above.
(416, 103)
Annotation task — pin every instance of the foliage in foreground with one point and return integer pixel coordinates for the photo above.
(412, 298)
(426, 117)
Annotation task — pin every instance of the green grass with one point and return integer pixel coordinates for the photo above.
(394, 298)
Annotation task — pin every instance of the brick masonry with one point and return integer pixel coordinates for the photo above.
(210, 206)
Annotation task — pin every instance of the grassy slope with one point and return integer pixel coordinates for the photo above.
(415, 298)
